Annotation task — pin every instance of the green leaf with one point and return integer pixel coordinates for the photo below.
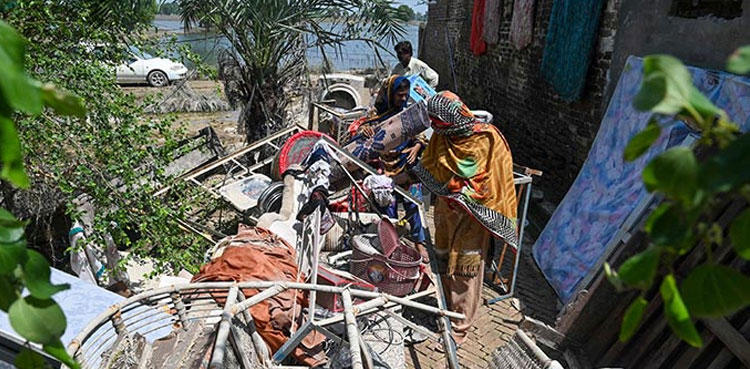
(10, 154)
(677, 314)
(653, 96)
(632, 318)
(739, 61)
(18, 90)
(675, 173)
(11, 45)
(62, 102)
(36, 276)
(739, 234)
(640, 269)
(8, 293)
(713, 291)
(666, 85)
(11, 256)
(613, 277)
(641, 142)
(666, 226)
(39, 321)
(29, 359)
(702, 105)
(57, 350)
(727, 170)
(655, 215)
(11, 229)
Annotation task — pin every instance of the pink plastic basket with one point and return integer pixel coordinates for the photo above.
(396, 275)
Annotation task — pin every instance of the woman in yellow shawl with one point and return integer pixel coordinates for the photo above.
(468, 164)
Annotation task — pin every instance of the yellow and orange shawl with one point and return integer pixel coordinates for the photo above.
(469, 165)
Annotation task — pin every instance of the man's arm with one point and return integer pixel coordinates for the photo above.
(430, 76)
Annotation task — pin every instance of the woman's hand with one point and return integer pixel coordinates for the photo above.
(366, 130)
(412, 153)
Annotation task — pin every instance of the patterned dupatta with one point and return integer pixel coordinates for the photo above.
(469, 164)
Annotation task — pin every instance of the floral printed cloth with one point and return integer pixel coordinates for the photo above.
(607, 189)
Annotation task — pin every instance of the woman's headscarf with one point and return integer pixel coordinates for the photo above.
(450, 116)
(384, 107)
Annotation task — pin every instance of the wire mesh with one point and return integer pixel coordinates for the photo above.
(515, 355)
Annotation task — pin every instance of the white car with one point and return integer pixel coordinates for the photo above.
(142, 67)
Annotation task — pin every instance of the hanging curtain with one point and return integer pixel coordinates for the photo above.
(522, 23)
(571, 34)
(476, 42)
(491, 32)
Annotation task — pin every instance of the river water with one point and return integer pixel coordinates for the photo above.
(353, 54)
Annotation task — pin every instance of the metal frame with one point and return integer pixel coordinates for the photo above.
(168, 302)
(244, 171)
(345, 118)
(522, 178)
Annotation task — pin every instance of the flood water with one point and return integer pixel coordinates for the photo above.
(353, 54)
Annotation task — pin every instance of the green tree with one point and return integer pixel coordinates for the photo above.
(405, 13)
(169, 8)
(36, 317)
(117, 155)
(270, 38)
(692, 189)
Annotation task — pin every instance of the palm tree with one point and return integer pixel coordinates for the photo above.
(269, 39)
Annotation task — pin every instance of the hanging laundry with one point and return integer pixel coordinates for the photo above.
(522, 24)
(476, 43)
(570, 37)
(491, 31)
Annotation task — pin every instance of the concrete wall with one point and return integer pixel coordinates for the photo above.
(645, 27)
(544, 132)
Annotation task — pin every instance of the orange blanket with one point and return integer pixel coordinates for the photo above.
(259, 255)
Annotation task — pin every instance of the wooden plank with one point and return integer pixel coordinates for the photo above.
(672, 344)
(725, 356)
(735, 341)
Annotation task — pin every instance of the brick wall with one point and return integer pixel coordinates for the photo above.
(544, 132)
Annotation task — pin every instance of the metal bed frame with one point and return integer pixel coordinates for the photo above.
(522, 178)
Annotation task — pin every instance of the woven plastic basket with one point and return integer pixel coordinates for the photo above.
(396, 275)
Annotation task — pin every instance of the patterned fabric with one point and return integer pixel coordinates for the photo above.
(450, 116)
(570, 39)
(491, 31)
(384, 107)
(522, 24)
(476, 42)
(473, 173)
(607, 190)
(496, 223)
(389, 135)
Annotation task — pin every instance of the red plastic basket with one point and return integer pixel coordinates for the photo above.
(396, 275)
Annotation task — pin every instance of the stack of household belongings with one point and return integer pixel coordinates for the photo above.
(256, 254)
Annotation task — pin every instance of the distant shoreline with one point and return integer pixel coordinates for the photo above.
(175, 17)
